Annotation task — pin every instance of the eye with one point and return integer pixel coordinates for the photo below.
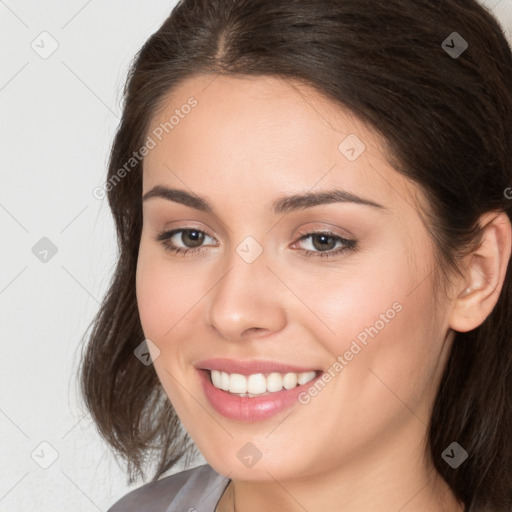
(193, 239)
(324, 243)
(191, 236)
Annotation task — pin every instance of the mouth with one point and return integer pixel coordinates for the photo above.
(252, 397)
(259, 384)
(250, 390)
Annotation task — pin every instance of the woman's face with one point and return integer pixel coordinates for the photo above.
(247, 291)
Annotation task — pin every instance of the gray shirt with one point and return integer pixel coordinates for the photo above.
(194, 490)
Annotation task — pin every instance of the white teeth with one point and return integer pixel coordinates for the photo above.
(305, 377)
(274, 382)
(290, 379)
(224, 381)
(216, 379)
(257, 383)
(237, 383)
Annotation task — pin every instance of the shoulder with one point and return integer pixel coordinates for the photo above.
(194, 490)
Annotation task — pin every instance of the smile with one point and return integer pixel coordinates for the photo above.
(259, 384)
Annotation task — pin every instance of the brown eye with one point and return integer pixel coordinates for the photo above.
(192, 239)
(195, 237)
(324, 244)
(322, 241)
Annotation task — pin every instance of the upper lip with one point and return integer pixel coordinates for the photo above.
(251, 366)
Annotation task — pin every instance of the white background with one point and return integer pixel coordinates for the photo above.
(58, 117)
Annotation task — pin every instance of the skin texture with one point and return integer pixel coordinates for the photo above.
(360, 443)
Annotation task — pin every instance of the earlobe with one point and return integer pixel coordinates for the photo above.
(485, 274)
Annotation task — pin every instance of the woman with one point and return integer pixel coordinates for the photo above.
(313, 203)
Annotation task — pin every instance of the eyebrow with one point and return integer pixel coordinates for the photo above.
(281, 205)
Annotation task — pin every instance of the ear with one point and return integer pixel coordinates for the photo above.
(485, 270)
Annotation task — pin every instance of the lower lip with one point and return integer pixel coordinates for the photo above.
(244, 408)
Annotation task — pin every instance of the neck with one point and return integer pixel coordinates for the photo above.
(426, 499)
(380, 483)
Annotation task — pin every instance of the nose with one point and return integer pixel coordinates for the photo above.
(247, 301)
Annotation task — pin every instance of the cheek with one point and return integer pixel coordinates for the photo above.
(377, 316)
(394, 348)
(353, 298)
(152, 299)
(166, 292)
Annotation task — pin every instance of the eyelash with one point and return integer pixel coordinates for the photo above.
(348, 245)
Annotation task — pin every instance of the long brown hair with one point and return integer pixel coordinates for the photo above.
(447, 123)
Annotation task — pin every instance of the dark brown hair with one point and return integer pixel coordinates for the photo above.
(447, 123)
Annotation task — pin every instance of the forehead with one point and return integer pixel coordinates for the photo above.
(265, 134)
